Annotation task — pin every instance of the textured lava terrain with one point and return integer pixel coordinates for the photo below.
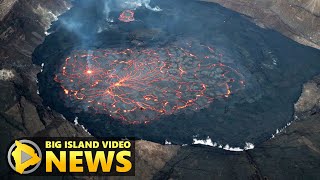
(140, 85)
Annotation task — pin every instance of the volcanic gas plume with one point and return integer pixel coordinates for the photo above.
(140, 85)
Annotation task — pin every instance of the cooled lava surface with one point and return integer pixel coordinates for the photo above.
(139, 85)
(193, 69)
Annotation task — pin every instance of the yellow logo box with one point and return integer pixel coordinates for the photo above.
(78, 156)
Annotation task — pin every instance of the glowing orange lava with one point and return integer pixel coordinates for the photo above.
(127, 16)
(89, 72)
(140, 85)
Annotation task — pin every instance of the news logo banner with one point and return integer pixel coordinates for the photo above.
(77, 156)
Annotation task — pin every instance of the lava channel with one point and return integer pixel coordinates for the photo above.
(140, 85)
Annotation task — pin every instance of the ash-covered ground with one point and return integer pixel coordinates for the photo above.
(105, 69)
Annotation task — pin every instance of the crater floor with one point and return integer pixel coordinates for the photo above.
(242, 96)
(139, 85)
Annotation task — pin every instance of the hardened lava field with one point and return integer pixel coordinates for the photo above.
(140, 85)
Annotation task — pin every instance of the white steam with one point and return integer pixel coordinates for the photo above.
(208, 142)
(127, 4)
(134, 4)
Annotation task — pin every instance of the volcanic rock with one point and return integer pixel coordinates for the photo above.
(292, 154)
(298, 20)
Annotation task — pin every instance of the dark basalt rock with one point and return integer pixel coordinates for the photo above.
(298, 20)
(292, 154)
(248, 115)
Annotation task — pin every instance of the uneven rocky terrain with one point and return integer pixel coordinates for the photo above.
(292, 154)
(296, 19)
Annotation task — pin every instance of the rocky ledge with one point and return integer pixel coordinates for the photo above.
(296, 19)
(294, 153)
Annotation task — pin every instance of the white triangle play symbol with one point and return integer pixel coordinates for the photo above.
(25, 157)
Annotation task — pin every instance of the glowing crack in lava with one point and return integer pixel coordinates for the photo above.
(127, 16)
(140, 85)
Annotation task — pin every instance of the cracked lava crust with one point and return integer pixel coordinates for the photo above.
(140, 85)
